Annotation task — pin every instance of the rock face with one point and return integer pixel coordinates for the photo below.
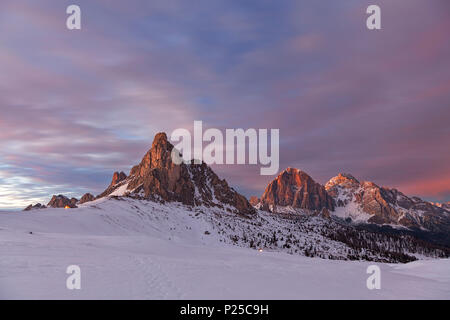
(254, 200)
(293, 188)
(36, 206)
(158, 178)
(61, 201)
(445, 205)
(118, 177)
(118, 180)
(367, 202)
(87, 197)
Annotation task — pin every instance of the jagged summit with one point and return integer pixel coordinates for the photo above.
(34, 207)
(118, 177)
(294, 191)
(444, 205)
(87, 197)
(367, 202)
(342, 179)
(294, 188)
(156, 177)
(61, 201)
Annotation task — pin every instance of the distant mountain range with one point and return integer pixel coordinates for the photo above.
(367, 221)
(343, 196)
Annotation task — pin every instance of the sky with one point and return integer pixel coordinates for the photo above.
(77, 105)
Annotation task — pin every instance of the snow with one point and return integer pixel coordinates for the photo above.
(120, 191)
(352, 210)
(130, 249)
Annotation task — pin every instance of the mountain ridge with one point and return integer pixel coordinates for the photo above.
(293, 191)
(156, 177)
(352, 200)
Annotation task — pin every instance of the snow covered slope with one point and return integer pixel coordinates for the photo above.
(135, 249)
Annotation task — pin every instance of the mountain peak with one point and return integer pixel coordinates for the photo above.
(160, 139)
(342, 179)
(294, 171)
(295, 188)
(160, 136)
(61, 201)
(158, 177)
(366, 201)
(118, 177)
(159, 156)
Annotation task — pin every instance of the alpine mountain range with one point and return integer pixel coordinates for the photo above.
(344, 219)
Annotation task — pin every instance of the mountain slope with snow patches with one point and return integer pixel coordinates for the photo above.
(135, 249)
(367, 202)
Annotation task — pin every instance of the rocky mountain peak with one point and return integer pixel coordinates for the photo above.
(118, 177)
(61, 201)
(157, 177)
(159, 156)
(33, 207)
(87, 197)
(367, 202)
(443, 205)
(345, 180)
(296, 189)
(160, 139)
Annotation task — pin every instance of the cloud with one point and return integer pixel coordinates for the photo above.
(76, 106)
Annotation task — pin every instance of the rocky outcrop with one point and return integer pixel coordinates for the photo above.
(36, 206)
(118, 179)
(367, 202)
(61, 201)
(87, 197)
(294, 188)
(254, 201)
(157, 177)
(444, 205)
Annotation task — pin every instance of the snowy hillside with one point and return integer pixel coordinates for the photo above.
(136, 249)
(296, 232)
